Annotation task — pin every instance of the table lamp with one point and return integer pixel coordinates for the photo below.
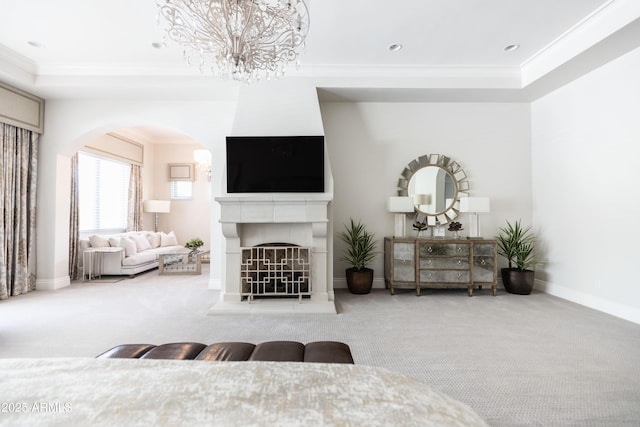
(155, 207)
(474, 205)
(400, 205)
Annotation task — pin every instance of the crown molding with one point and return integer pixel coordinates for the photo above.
(604, 22)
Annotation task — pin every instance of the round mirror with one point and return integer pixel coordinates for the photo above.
(435, 183)
(433, 190)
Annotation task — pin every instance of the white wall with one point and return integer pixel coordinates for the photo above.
(188, 218)
(370, 144)
(586, 146)
(69, 124)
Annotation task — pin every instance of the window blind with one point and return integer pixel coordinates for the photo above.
(181, 190)
(103, 192)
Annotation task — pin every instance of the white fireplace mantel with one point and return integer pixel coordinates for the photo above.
(274, 208)
(301, 219)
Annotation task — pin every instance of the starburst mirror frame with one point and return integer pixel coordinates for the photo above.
(453, 169)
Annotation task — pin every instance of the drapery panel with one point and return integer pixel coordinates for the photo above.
(18, 183)
(74, 221)
(134, 212)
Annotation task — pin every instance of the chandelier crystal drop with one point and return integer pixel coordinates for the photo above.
(244, 40)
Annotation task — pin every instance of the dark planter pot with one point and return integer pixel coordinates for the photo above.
(359, 281)
(516, 281)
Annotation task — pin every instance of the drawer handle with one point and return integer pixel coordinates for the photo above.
(459, 275)
(459, 262)
(482, 262)
(429, 249)
(430, 275)
(459, 250)
(430, 262)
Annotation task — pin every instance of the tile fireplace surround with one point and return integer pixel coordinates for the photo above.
(298, 219)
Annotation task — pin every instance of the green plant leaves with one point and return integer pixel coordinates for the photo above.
(516, 244)
(194, 243)
(361, 245)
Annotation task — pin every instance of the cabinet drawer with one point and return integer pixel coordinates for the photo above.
(483, 269)
(404, 273)
(444, 249)
(453, 263)
(404, 253)
(483, 249)
(445, 276)
(483, 261)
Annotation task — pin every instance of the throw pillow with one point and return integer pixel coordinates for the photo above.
(168, 239)
(114, 241)
(98, 241)
(154, 239)
(142, 244)
(129, 246)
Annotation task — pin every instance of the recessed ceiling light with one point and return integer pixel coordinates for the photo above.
(395, 47)
(511, 47)
(34, 44)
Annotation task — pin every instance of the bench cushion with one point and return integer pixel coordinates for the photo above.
(278, 351)
(227, 351)
(176, 351)
(270, 351)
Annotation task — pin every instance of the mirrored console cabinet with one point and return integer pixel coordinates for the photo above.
(439, 263)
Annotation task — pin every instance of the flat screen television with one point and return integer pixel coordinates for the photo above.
(275, 164)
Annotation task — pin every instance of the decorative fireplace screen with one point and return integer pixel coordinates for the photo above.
(275, 270)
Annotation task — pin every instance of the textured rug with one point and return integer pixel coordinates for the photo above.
(516, 360)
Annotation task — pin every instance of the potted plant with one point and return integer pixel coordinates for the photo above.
(516, 244)
(194, 244)
(456, 227)
(359, 252)
(420, 226)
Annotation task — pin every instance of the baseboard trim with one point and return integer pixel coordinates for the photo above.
(52, 284)
(622, 311)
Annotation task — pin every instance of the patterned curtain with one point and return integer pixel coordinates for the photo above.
(134, 214)
(18, 176)
(74, 222)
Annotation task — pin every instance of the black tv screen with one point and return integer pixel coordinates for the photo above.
(275, 164)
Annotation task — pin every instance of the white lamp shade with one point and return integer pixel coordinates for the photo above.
(475, 204)
(156, 206)
(400, 204)
(422, 199)
(202, 156)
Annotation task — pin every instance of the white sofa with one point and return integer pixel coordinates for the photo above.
(141, 251)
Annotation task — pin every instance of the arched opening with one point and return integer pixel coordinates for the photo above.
(161, 153)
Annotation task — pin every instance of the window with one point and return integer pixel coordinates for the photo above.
(181, 190)
(103, 186)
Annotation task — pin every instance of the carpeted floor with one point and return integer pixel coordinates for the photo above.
(517, 360)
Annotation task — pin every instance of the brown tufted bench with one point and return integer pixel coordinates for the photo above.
(270, 351)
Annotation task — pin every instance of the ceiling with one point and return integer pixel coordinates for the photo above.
(452, 49)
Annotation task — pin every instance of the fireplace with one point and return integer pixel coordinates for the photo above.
(275, 270)
(299, 219)
(287, 110)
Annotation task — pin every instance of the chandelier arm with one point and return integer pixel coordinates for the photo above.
(207, 24)
(242, 39)
(249, 19)
(227, 14)
(219, 36)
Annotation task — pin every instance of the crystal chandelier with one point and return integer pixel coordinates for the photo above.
(244, 40)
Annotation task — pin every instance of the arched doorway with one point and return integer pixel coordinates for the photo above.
(156, 152)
